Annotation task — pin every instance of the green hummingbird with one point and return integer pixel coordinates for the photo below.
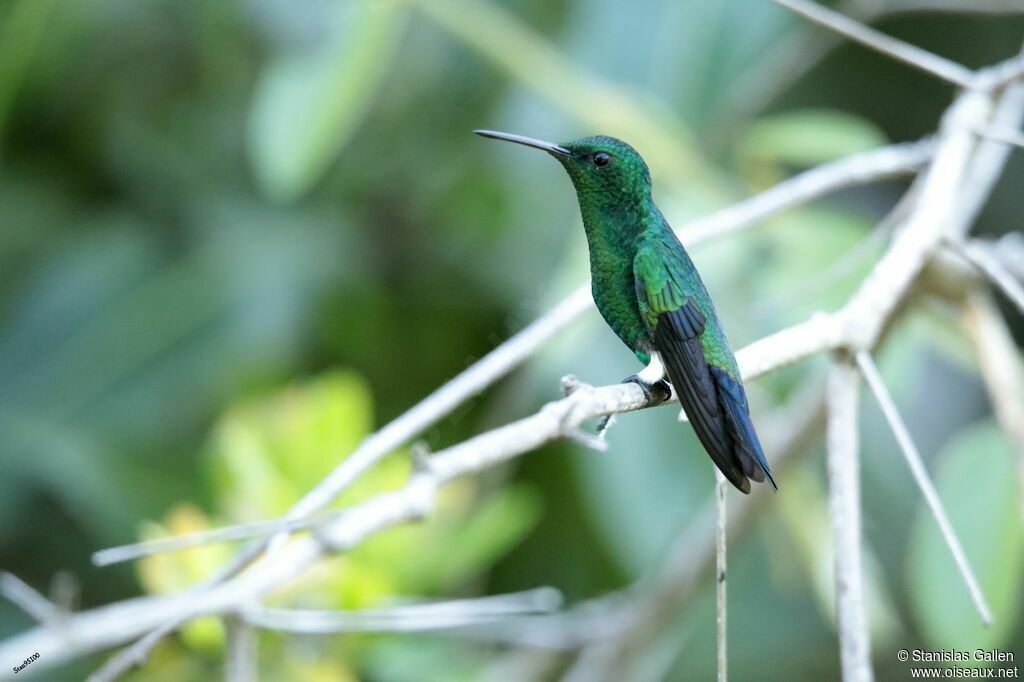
(651, 295)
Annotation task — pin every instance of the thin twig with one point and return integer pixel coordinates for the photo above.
(29, 600)
(857, 169)
(848, 262)
(1008, 250)
(240, 660)
(993, 270)
(844, 503)
(1001, 368)
(990, 157)
(956, 6)
(720, 575)
(1004, 135)
(411, 618)
(938, 214)
(242, 531)
(924, 482)
(135, 655)
(911, 54)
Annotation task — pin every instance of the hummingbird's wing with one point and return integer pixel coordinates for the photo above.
(714, 402)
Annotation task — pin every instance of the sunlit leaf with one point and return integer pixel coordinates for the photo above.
(268, 451)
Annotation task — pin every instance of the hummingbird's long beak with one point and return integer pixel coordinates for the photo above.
(527, 141)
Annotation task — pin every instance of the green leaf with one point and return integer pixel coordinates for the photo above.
(308, 103)
(976, 482)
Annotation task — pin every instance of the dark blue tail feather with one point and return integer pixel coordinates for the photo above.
(748, 447)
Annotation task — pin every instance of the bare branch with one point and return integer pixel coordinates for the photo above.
(846, 264)
(133, 656)
(22, 595)
(910, 54)
(956, 6)
(924, 482)
(411, 618)
(1001, 368)
(240, 664)
(844, 502)
(720, 575)
(858, 169)
(938, 214)
(1008, 250)
(441, 402)
(993, 270)
(990, 157)
(235, 533)
(1004, 135)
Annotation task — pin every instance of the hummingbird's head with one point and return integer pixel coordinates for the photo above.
(599, 165)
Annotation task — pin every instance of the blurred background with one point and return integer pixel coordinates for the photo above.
(237, 236)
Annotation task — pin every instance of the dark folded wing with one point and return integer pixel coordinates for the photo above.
(714, 402)
(677, 338)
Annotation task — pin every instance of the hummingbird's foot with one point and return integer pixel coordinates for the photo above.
(652, 380)
(654, 392)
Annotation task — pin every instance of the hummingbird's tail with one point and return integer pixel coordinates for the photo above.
(714, 402)
(746, 444)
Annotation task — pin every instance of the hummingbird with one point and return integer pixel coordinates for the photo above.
(649, 292)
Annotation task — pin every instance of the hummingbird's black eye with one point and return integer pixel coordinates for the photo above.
(602, 159)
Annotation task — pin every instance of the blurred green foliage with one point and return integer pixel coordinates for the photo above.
(237, 236)
(978, 459)
(267, 451)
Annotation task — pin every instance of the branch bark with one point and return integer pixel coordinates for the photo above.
(721, 603)
(843, 448)
(910, 54)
